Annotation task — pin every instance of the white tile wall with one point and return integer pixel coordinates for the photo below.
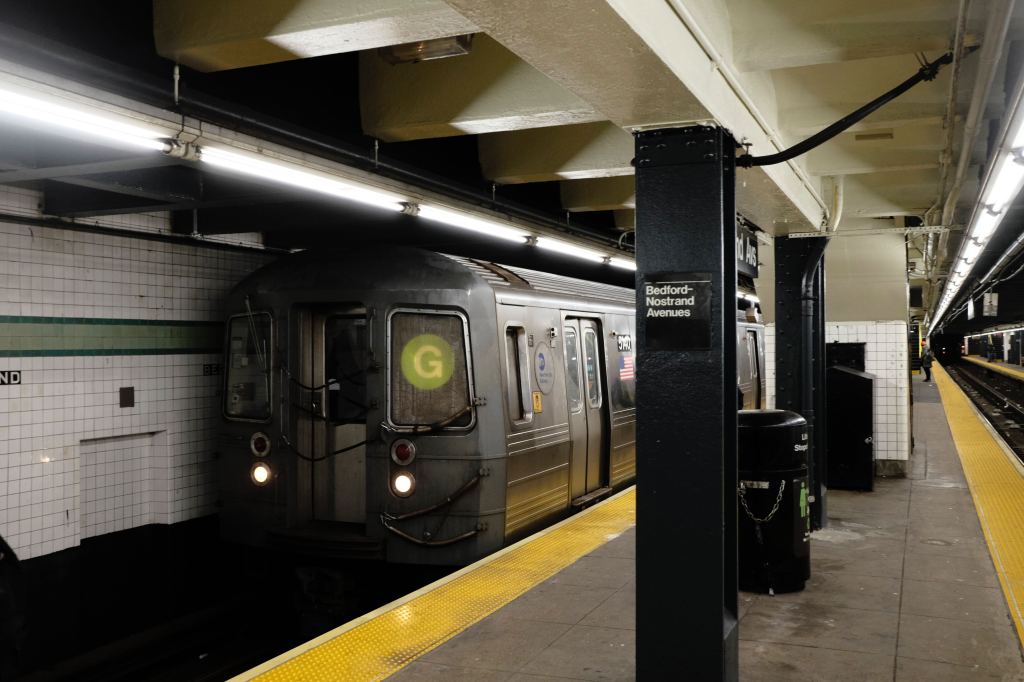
(123, 484)
(54, 488)
(886, 358)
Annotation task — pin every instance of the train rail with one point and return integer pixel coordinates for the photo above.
(1000, 398)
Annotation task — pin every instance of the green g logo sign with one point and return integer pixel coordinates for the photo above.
(427, 362)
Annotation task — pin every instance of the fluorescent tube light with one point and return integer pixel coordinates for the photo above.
(568, 249)
(623, 263)
(985, 224)
(79, 119)
(1005, 185)
(467, 222)
(290, 174)
(995, 331)
(1018, 137)
(971, 251)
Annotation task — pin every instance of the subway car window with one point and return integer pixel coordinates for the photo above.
(345, 369)
(248, 367)
(572, 376)
(429, 373)
(592, 365)
(517, 361)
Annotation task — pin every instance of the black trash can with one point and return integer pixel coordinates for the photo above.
(774, 521)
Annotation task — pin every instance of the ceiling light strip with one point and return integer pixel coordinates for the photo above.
(1003, 181)
(464, 221)
(90, 121)
(64, 110)
(995, 331)
(1001, 188)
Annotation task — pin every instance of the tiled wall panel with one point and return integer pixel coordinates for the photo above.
(886, 358)
(121, 486)
(82, 315)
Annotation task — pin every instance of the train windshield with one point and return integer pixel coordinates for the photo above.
(345, 369)
(248, 367)
(429, 370)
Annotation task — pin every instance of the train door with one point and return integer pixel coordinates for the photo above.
(333, 366)
(585, 389)
(755, 368)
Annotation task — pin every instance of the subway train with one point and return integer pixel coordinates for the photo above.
(421, 408)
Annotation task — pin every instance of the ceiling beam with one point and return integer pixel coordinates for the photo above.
(837, 159)
(229, 34)
(896, 193)
(780, 34)
(625, 219)
(799, 122)
(488, 90)
(599, 194)
(591, 150)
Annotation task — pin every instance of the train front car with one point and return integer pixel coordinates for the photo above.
(353, 427)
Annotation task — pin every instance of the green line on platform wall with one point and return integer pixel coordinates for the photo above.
(29, 336)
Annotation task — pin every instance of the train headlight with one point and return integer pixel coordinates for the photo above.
(260, 473)
(403, 484)
(260, 444)
(403, 451)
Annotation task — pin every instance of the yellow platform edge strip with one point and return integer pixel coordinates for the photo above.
(1002, 368)
(384, 641)
(997, 486)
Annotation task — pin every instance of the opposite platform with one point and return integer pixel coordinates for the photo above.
(996, 366)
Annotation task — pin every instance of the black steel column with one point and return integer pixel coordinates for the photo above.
(800, 349)
(819, 514)
(686, 405)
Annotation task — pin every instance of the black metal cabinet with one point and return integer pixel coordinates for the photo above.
(850, 400)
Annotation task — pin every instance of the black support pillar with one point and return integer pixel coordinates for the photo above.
(800, 350)
(686, 405)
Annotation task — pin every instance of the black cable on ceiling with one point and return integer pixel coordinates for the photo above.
(927, 72)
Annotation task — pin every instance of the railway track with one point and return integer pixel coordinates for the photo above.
(998, 397)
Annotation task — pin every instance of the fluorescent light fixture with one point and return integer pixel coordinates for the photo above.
(568, 249)
(1018, 137)
(467, 222)
(623, 263)
(1005, 184)
(995, 331)
(424, 50)
(971, 252)
(80, 119)
(985, 224)
(296, 176)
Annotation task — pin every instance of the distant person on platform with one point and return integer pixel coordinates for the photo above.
(926, 363)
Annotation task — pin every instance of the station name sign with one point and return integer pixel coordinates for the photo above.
(746, 251)
(10, 377)
(677, 311)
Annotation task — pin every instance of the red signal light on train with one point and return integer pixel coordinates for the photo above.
(403, 451)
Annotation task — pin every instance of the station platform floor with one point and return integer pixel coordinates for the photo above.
(904, 587)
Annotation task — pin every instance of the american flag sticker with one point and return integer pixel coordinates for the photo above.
(626, 371)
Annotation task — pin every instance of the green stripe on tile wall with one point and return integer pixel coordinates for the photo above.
(29, 336)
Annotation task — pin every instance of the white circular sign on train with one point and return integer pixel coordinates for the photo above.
(544, 367)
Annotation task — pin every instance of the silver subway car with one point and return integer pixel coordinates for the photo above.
(423, 408)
